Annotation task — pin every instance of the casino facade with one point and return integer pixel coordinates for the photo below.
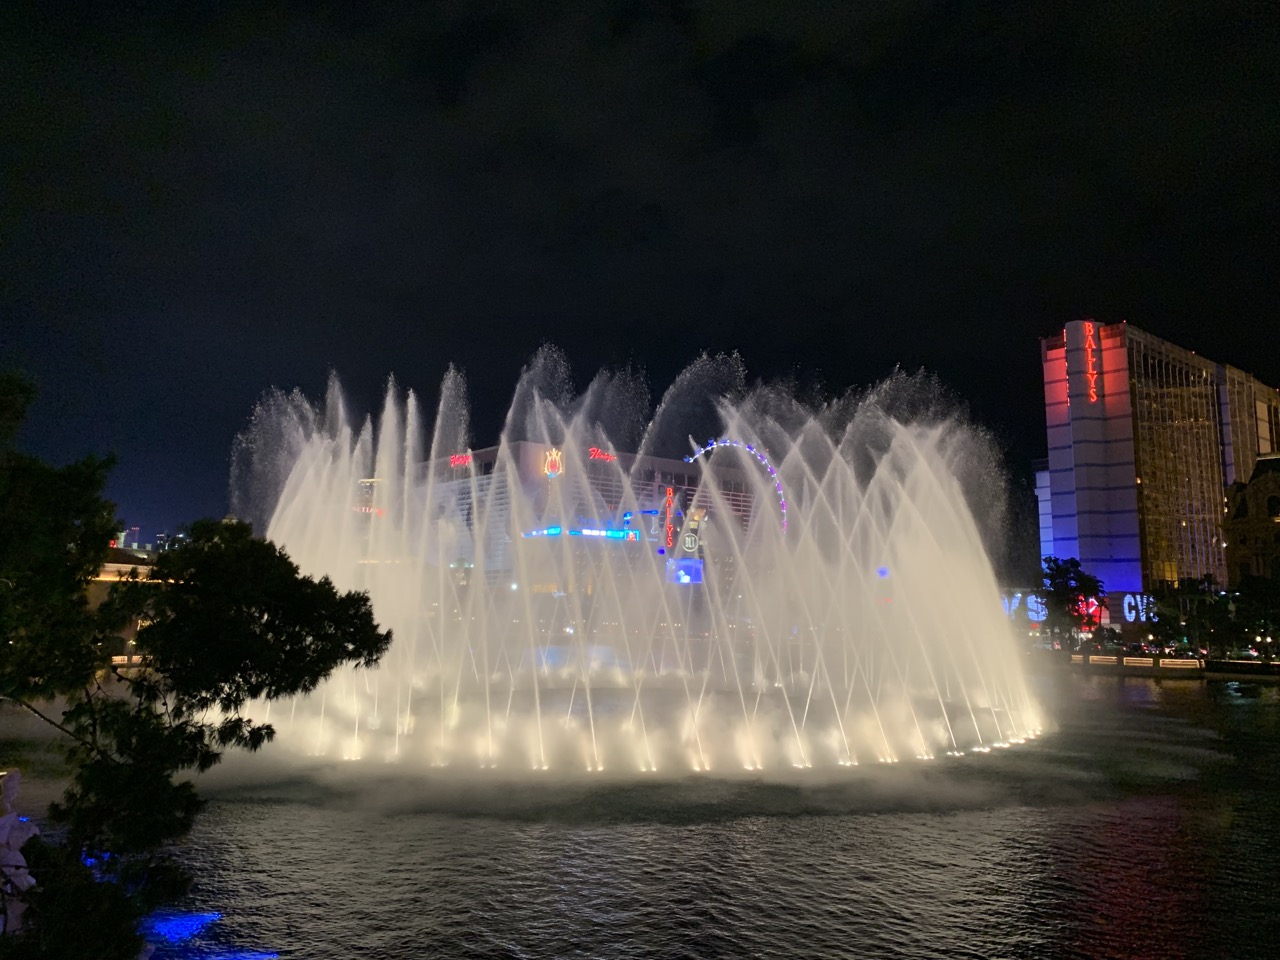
(1145, 439)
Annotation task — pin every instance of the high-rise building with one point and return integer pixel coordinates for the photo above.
(1145, 437)
(1253, 524)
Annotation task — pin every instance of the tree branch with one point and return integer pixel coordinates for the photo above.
(54, 723)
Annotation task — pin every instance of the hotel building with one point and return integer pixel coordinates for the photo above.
(1253, 524)
(1145, 438)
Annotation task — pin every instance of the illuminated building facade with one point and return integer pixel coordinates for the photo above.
(1145, 438)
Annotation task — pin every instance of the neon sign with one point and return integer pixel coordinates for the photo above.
(459, 459)
(1090, 611)
(1139, 607)
(553, 465)
(607, 533)
(595, 453)
(1034, 606)
(1091, 360)
(671, 530)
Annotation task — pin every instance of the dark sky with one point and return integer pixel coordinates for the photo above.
(202, 205)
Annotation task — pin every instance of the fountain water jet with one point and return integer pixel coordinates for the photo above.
(809, 588)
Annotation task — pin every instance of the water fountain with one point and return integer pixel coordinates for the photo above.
(800, 586)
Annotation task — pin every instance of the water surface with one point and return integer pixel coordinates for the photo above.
(1146, 825)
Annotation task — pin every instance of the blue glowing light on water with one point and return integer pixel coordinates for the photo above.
(177, 927)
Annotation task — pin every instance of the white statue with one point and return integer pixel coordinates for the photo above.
(14, 832)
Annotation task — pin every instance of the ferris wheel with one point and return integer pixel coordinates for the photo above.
(712, 445)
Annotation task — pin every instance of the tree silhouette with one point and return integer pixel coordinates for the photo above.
(227, 620)
(1068, 590)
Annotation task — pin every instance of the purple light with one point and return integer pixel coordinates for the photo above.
(760, 458)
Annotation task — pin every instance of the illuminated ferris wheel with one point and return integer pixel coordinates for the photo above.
(713, 445)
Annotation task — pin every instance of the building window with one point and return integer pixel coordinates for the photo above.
(1273, 506)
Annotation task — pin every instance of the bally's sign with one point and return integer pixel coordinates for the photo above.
(1091, 359)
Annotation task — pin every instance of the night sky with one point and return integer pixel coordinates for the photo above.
(198, 206)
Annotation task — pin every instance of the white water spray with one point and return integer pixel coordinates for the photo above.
(545, 596)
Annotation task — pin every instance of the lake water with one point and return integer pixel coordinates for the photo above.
(1146, 825)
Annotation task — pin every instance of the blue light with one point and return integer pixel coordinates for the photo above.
(882, 572)
(607, 533)
(177, 927)
(661, 550)
(552, 531)
(685, 570)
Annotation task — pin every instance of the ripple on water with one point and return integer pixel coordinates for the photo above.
(1122, 836)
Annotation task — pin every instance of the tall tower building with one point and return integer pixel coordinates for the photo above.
(1144, 439)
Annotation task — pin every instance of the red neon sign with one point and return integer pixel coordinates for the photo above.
(1091, 361)
(595, 453)
(459, 459)
(1066, 366)
(553, 464)
(1090, 609)
(671, 530)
